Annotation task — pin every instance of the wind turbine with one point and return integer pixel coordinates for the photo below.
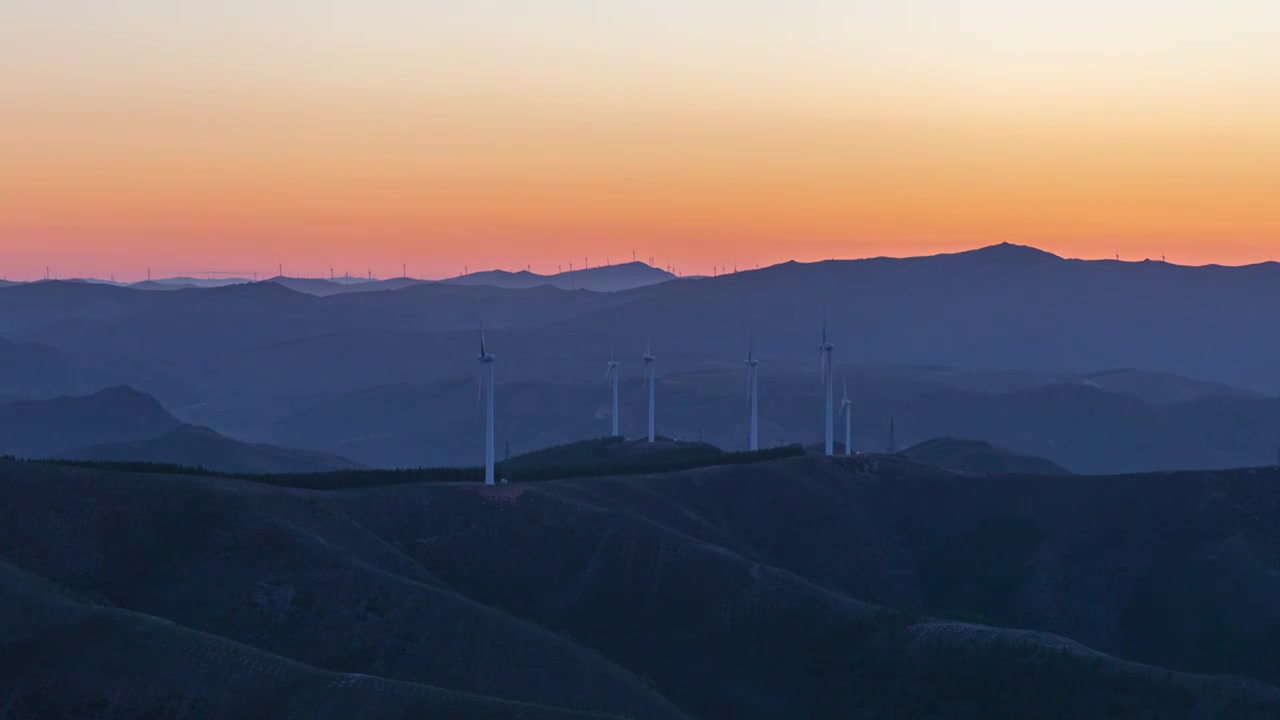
(487, 360)
(753, 374)
(651, 380)
(846, 407)
(824, 363)
(612, 376)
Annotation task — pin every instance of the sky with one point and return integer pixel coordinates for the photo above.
(371, 135)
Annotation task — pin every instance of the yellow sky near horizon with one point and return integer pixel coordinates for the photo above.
(366, 135)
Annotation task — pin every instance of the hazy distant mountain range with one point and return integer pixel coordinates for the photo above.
(1007, 344)
(605, 278)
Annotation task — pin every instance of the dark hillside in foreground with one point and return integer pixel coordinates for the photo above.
(70, 659)
(798, 588)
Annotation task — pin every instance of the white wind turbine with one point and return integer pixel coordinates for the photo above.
(612, 376)
(651, 380)
(824, 361)
(846, 407)
(753, 374)
(487, 361)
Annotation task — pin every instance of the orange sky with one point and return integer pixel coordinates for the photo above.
(366, 135)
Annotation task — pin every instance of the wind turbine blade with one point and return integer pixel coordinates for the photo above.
(479, 388)
(482, 338)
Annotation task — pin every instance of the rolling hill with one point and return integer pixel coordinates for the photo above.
(803, 588)
(191, 446)
(978, 457)
(46, 428)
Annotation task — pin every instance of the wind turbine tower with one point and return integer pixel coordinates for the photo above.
(651, 380)
(893, 436)
(612, 376)
(753, 374)
(824, 359)
(486, 363)
(846, 407)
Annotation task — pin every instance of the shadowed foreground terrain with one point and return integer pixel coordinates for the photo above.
(805, 587)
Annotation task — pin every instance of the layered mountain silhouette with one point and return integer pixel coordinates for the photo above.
(263, 362)
(1077, 426)
(46, 428)
(605, 278)
(803, 588)
(121, 424)
(191, 446)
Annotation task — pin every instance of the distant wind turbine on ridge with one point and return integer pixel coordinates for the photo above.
(824, 364)
(846, 407)
(651, 380)
(611, 375)
(753, 374)
(487, 360)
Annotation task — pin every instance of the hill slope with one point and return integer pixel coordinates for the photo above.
(979, 457)
(192, 446)
(705, 583)
(70, 659)
(45, 428)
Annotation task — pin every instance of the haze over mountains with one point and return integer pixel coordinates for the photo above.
(1008, 563)
(1007, 345)
(121, 424)
(603, 278)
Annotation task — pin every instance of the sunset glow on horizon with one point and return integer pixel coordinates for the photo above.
(362, 135)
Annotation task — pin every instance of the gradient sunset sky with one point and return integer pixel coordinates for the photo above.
(364, 134)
